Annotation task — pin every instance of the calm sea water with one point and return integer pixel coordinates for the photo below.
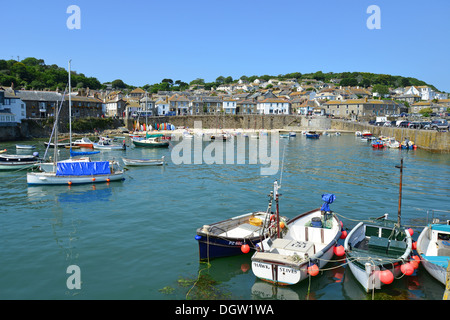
(135, 239)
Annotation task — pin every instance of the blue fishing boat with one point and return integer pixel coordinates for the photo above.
(312, 135)
(237, 235)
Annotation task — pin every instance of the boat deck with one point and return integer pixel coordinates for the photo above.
(242, 231)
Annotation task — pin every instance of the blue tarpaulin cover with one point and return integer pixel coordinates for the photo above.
(327, 198)
(82, 168)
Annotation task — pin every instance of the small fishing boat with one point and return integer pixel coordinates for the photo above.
(84, 143)
(292, 134)
(392, 143)
(106, 145)
(143, 162)
(25, 146)
(236, 235)
(312, 135)
(59, 144)
(151, 142)
(433, 247)
(17, 161)
(377, 144)
(366, 133)
(407, 144)
(284, 135)
(307, 245)
(377, 248)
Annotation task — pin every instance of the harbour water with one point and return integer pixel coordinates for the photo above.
(136, 239)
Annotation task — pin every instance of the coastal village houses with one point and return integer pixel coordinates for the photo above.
(308, 97)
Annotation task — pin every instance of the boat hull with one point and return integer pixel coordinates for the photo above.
(162, 144)
(214, 247)
(18, 165)
(435, 263)
(287, 259)
(285, 273)
(366, 264)
(139, 162)
(50, 178)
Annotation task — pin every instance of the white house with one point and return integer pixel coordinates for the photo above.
(229, 106)
(162, 107)
(273, 106)
(12, 108)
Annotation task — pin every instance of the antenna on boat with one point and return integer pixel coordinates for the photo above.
(400, 191)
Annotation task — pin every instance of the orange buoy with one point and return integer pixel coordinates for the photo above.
(282, 225)
(343, 234)
(245, 248)
(411, 231)
(386, 276)
(69, 183)
(313, 270)
(339, 250)
(414, 245)
(93, 179)
(407, 269)
(107, 180)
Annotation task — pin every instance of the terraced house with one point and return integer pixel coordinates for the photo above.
(361, 107)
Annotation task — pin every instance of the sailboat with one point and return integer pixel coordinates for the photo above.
(74, 171)
(378, 249)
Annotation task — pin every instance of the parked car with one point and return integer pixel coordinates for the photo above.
(426, 125)
(414, 125)
(439, 124)
(403, 124)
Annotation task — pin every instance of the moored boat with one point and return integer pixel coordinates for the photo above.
(377, 248)
(143, 162)
(236, 235)
(25, 146)
(17, 161)
(151, 142)
(84, 143)
(433, 247)
(312, 135)
(307, 245)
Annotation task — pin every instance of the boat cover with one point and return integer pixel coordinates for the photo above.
(327, 198)
(82, 168)
(82, 153)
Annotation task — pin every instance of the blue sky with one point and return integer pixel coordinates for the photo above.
(144, 42)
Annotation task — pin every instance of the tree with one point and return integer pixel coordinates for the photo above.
(380, 89)
(118, 84)
(425, 112)
(348, 82)
(228, 79)
(220, 79)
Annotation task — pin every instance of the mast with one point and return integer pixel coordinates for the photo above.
(275, 191)
(400, 192)
(70, 113)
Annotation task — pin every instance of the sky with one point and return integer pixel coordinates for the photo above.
(144, 41)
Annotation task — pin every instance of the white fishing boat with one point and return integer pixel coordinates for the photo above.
(143, 162)
(433, 247)
(84, 142)
(106, 145)
(17, 161)
(377, 248)
(392, 143)
(25, 146)
(306, 247)
(74, 171)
